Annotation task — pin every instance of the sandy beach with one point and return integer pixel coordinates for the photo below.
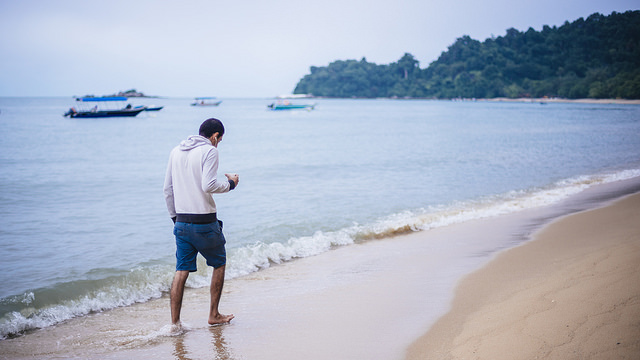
(573, 293)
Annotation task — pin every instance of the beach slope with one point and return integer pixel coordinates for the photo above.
(572, 293)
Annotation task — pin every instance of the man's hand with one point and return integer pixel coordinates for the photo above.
(233, 177)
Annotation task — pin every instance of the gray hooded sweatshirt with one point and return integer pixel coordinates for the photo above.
(191, 178)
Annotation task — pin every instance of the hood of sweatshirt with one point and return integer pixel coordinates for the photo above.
(193, 142)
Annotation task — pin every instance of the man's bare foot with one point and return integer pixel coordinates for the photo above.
(220, 319)
(176, 329)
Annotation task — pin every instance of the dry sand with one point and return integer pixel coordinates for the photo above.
(573, 293)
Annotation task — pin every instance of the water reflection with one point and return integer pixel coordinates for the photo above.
(218, 349)
(180, 351)
(219, 344)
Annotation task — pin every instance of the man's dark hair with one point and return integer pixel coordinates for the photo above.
(210, 127)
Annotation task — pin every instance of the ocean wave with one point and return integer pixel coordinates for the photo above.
(259, 256)
(46, 307)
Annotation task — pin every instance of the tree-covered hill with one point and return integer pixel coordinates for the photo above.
(597, 57)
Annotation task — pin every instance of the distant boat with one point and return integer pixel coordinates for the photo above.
(294, 96)
(95, 107)
(206, 101)
(289, 106)
(150, 108)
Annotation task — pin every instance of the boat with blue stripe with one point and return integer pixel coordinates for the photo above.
(98, 107)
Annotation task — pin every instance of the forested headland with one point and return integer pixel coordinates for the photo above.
(597, 57)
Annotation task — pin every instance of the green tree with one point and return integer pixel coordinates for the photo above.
(596, 57)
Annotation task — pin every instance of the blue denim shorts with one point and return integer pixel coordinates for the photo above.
(206, 239)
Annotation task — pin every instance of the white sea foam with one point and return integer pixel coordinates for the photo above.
(260, 255)
(133, 339)
(140, 285)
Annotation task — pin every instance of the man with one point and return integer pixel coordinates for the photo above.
(190, 181)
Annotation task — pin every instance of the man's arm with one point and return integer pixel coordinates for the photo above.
(168, 192)
(210, 183)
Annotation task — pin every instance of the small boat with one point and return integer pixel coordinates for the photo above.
(286, 105)
(294, 96)
(95, 107)
(206, 101)
(150, 108)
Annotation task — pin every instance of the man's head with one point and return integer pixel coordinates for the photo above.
(210, 127)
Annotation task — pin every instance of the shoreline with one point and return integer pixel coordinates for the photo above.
(561, 100)
(500, 99)
(571, 293)
(369, 300)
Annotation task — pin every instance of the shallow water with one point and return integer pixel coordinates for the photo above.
(88, 229)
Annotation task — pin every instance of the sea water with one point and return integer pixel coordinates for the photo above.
(86, 228)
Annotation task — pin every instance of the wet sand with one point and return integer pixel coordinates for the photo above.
(374, 299)
(573, 293)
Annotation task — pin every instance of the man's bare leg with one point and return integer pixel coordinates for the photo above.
(217, 281)
(176, 294)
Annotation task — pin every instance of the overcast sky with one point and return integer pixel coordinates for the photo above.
(240, 48)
